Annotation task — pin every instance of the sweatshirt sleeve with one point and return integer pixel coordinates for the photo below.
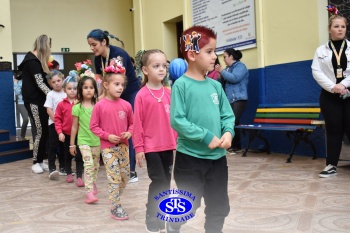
(58, 118)
(180, 123)
(226, 114)
(237, 74)
(138, 135)
(95, 124)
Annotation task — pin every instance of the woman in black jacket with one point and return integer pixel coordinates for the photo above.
(34, 89)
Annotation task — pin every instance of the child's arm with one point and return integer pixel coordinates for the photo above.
(227, 120)
(58, 119)
(127, 135)
(237, 75)
(184, 127)
(138, 134)
(73, 134)
(51, 114)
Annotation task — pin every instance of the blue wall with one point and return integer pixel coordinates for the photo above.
(7, 107)
(283, 83)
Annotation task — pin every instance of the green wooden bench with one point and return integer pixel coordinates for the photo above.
(297, 120)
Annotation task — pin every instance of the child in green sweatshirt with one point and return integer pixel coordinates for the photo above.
(202, 116)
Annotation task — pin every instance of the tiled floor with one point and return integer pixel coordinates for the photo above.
(266, 195)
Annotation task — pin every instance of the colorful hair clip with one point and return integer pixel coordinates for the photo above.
(115, 66)
(332, 10)
(191, 41)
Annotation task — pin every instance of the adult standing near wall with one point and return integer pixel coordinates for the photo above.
(34, 89)
(235, 83)
(98, 41)
(331, 70)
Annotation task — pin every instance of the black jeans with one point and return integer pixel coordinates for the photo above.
(68, 158)
(40, 117)
(55, 144)
(208, 179)
(238, 108)
(159, 168)
(336, 114)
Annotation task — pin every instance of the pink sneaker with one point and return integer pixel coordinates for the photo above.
(69, 178)
(95, 191)
(80, 183)
(90, 198)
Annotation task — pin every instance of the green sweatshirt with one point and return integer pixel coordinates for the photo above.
(200, 110)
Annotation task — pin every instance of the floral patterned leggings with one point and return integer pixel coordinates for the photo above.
(91, 158)
(116, 160)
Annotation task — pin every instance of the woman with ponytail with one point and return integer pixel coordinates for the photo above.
(34, 68)
(98, 41)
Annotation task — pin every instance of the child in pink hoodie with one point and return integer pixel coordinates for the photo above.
(112, 122)
(153, 138)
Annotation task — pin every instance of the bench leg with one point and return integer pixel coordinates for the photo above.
(251, 138)
(298, 137)
(259, 135)
(307, 140)
(252, 135)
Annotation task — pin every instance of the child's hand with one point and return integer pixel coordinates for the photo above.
(126, 135)
(61, 137)
(216, 142)
(113, 139)
(226, 140)
(140, 157)
(72, 150)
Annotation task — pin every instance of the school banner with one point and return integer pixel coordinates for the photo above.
(232, 20)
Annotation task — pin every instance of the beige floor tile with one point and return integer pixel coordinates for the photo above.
(266, 194)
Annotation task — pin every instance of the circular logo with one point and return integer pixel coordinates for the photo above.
(175, 206)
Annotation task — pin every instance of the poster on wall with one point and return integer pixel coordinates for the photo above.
(232, 20)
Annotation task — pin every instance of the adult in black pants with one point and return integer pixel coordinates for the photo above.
(34, 90)
(329, 68)
(235, 83)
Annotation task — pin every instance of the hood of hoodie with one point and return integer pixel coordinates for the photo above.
(29, 56)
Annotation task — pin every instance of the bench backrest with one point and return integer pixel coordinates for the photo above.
(287, 114)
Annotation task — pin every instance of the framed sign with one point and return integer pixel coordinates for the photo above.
(232, 20)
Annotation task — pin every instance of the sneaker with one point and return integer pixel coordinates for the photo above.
(95, 191)
(62, 172)
(169, 229)
(118, 213)
(230, 151)
(90, 198)
(69, 178)
(80, 182)
(330, 170)
(44, 166)
(133, 177)
(36, 168)
(53, 175)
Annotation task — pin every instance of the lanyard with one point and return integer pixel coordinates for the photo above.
(337, 56)
(106, 63)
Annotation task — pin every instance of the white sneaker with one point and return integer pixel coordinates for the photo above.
(133, 177)
(53, 175)
(44, 166)
(36, 168)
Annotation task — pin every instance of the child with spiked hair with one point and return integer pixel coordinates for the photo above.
(55, 78)
(204, 134)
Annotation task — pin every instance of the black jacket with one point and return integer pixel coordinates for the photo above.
(34, 84)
